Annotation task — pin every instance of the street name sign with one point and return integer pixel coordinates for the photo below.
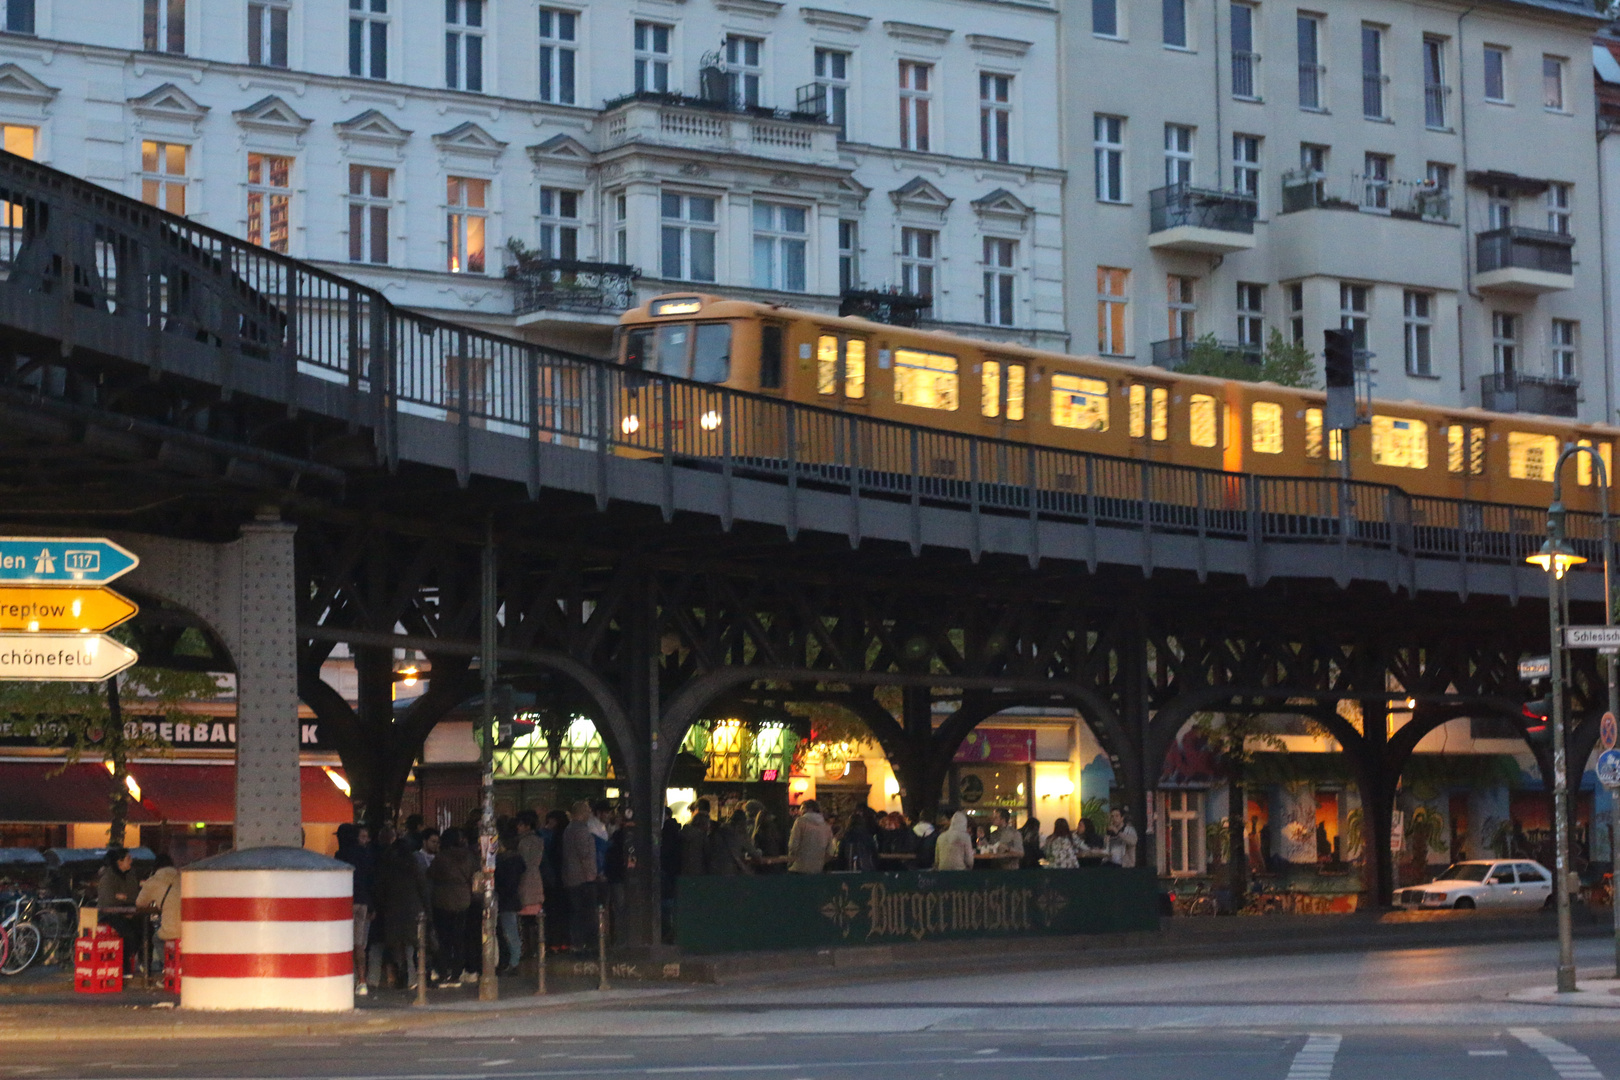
(35, 560)
(1592, 637)
(48, 608)
(1537, 667)
(1608, 769)
(63, 657)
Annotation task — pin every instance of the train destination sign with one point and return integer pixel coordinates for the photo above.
(63, 657)
(46, 609)
(38, 560)
(1592, 637)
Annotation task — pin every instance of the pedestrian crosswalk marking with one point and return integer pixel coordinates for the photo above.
(1315, 1059)
(1568, 1062)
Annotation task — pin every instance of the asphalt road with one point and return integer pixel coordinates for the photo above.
(1431, 1014)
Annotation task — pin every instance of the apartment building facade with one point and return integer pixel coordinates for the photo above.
(1420, 172)
(796, 153)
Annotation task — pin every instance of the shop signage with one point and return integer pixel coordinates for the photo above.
(783, 911)
(1012, 745)
(1537, 667)
(33, 560)
(47, 608)
(200, 733)
(62, 657)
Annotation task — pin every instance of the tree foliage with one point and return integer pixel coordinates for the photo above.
(1286, 363)
(74, 716)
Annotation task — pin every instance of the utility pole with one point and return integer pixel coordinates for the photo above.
(488, 982)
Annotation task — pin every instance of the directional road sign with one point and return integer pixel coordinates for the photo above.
(37, 608)
(33, 560)
(1592, 637)
(1608, 769)
(62, 657)
(1536, 667)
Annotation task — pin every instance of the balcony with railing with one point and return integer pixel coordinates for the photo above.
(1524, 261)
(568, 285)
(1187, 218)
(1419, 200)
(720, 124)
(893, 306)
(1221, 357)
(1245, 75)
(1509, 391)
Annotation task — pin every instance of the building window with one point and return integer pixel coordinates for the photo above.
(832, 82)
(1175, 23)
(1105, 18)
(1434, 82)
(849, 267)
(998, 281)
(19, 16)
(163, 26)
(466, 219)
(925, 380)
(688, 236)
(1245, 61)
(1499, 208)
(368, 213)
(780, 240)
(1251, 309)
(621, 228)
(1296, 312)
(1400, 443)
(1079, 402)
(19, 140)
(464, 45)
(1563, 348)
(1113, 301)
(163, 176)
(1419, 314)
(917, 255)
(995, 117)
(1375, 182)
(652, 58)
(1552, 83)
(559, 43)
(1312, 75)
(744, 68)
(1353, 315)
(269, 201)
(1558, 209)
(1181, 296)
(1505, 342)
(1246, 165)
(1435, 198)
(559, 223)
(1184, 832)
(1313, 162)
(267, 34)
(1108, 145)
(1266, 427)
(368, 38)
(1372, 72)
(915, 100)
(1496, 67)
(1178, 155)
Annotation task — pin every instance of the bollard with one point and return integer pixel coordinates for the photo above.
(601, 947)
(540, 936)
(421, 959)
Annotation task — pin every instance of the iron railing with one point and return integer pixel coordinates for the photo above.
(1244, 71)
(892, 306)
(1434, 104)
(1509, 391)
(591, 288)
(1172, 354)
(1303, 189)
(1526, 249)
(1204, 208)
(163, 290)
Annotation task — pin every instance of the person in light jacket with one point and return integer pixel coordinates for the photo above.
(954, 851)
(161, 893)
(809, 841)
(579, 877)
(531, 848)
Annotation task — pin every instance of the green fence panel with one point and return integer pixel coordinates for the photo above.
(799, 911)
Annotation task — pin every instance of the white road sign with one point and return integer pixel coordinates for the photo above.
(1537, 667)
(1592, 637)
(62, 657)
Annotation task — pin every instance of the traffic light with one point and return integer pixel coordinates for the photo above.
(1339, 358)
(1536, 717)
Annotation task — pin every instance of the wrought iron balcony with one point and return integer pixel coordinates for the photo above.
(590, 288)
(1187, 218)
(1509, 391)
(1419, 199)
(1523, 260)
(890, 306)
(1174, 353)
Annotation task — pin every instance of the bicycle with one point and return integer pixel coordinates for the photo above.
(1196, 902)
(23, 939)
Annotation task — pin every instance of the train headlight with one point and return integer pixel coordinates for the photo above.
(630, 424)
(709, 421)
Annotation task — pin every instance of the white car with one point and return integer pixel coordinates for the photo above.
(1487, 884)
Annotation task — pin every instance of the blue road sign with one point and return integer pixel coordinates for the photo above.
(34, 560)
(1608, 768)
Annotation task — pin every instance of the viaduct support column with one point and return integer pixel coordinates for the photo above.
(257, 592)
(1376, 780)
(647, 765)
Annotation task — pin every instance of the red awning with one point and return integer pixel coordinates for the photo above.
(169, 792)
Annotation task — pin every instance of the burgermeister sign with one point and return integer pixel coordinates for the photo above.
(202, 733)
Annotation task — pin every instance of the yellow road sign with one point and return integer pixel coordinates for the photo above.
(47, 608)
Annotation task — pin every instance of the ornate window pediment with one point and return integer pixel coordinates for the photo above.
(835, 20)
(272, 114)
(920, 195)
(917, 33)
(469, 139)
(372, 127)
(564, 148)
(1003, 205)
(168, 102)
(998, 46)
(17, 84)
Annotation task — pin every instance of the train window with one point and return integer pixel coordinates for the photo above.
(1476, 451)
(1465, 450)
(711, 353)
(1079, 402)
(925, 380)
(826, 364)
(770, 357)
(1583, 464)
(990, 388)
(1015, 391)
(1139, 420)
(1161, 414)
(1265, 427)
(637, 343)
(1531, 456)
(855, 368)
(1400, 443)
(1201, 420)
(1313, 433)
(669, 354)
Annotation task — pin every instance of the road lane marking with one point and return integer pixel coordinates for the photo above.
(1568, 1062)
(1315, 1059)
(1487, 1053)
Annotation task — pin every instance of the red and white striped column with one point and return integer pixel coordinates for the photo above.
(267, 928)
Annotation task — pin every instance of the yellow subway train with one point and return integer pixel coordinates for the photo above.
(970, 386)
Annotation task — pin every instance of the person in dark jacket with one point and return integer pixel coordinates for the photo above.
(404, 897)
(737, 853)
(768, 834)
(669, 871)
(509, 869)
(117, 889)
(453, 875)
(857, 848)
(695, 843)
(354, 848)
(1031, 832)
(557, 896)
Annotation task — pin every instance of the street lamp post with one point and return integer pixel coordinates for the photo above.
(1556, 557)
